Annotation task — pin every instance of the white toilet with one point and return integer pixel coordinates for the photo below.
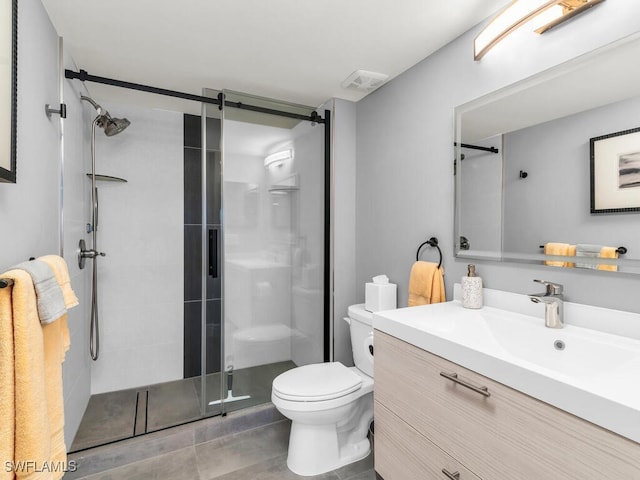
(330, 405)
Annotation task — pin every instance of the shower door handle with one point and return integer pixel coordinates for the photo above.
(213, 253)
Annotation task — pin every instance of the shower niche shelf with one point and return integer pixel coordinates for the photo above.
(108, 178)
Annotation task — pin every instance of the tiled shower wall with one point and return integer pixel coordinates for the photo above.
(193, 245)
(140, 229)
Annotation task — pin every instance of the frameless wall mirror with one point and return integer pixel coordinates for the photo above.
(8, 72)
(548, 169)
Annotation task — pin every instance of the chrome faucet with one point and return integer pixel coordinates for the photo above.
(553, 303)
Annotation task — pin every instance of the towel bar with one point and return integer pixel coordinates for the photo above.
(7, 282)
(432, 242)
(478, 147)
(620, 250)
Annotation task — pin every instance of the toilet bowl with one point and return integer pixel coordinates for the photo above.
(330, 406)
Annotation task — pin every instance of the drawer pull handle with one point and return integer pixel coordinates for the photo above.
(454, 378)
(452, 476)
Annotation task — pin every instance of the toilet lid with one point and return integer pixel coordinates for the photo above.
(316, 382)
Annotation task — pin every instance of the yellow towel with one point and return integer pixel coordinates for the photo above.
(24, 419)
(426, 284)
(7, 381)
(560, 249)
(608, 252)
(571, 252)
(31, 356)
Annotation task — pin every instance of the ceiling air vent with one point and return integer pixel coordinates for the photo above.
(364, 81)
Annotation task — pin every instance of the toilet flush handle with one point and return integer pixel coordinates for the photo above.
(347, 319)
(369, 344)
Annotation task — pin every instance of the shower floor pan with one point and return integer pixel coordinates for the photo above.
(113, 416)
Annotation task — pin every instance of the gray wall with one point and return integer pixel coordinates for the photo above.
(404, 187)
(31, 212)
(556, 156)
(345, 290)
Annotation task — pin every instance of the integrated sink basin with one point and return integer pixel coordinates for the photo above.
(571, 351)
(580, 368)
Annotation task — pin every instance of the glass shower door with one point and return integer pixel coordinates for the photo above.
(273, 238)
(244, 234)
(211, 254)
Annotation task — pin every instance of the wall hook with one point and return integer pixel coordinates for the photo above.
(62, 111)
(523, 174)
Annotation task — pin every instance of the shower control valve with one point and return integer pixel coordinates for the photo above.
(83, 254)
(91, 254)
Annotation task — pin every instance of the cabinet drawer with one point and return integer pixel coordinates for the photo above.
(401, 453)
(507, 435)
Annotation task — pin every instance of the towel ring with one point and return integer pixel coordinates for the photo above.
(432, 242)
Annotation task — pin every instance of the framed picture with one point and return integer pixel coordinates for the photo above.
(615, 172)
(8, 88)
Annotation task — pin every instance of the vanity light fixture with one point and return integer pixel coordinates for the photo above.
(565, 10)
(519, 12)
(278, 158)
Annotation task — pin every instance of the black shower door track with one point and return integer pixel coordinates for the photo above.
(83, 76)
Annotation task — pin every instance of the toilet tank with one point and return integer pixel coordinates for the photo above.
(361, 327)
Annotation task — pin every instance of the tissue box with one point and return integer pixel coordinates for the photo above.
(380, 296)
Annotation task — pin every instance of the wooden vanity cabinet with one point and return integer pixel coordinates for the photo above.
(427, 423)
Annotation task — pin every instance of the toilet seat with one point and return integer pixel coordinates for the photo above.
(317, 382)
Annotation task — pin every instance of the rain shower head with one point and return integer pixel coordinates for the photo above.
(112, 126)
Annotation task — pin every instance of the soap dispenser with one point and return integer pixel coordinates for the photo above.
(471, 289)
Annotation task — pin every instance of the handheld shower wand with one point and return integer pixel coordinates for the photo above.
(111, 126)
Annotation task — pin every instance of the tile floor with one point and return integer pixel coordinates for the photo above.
(257, 454)
(111, 416)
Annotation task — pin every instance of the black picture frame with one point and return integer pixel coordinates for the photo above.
(8, 175)
(615, 172)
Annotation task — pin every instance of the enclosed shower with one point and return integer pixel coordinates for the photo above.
(215, 279)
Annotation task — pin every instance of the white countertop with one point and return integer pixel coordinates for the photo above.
(596, 377)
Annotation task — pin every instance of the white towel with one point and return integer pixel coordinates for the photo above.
(49, 296)
(587, 250)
